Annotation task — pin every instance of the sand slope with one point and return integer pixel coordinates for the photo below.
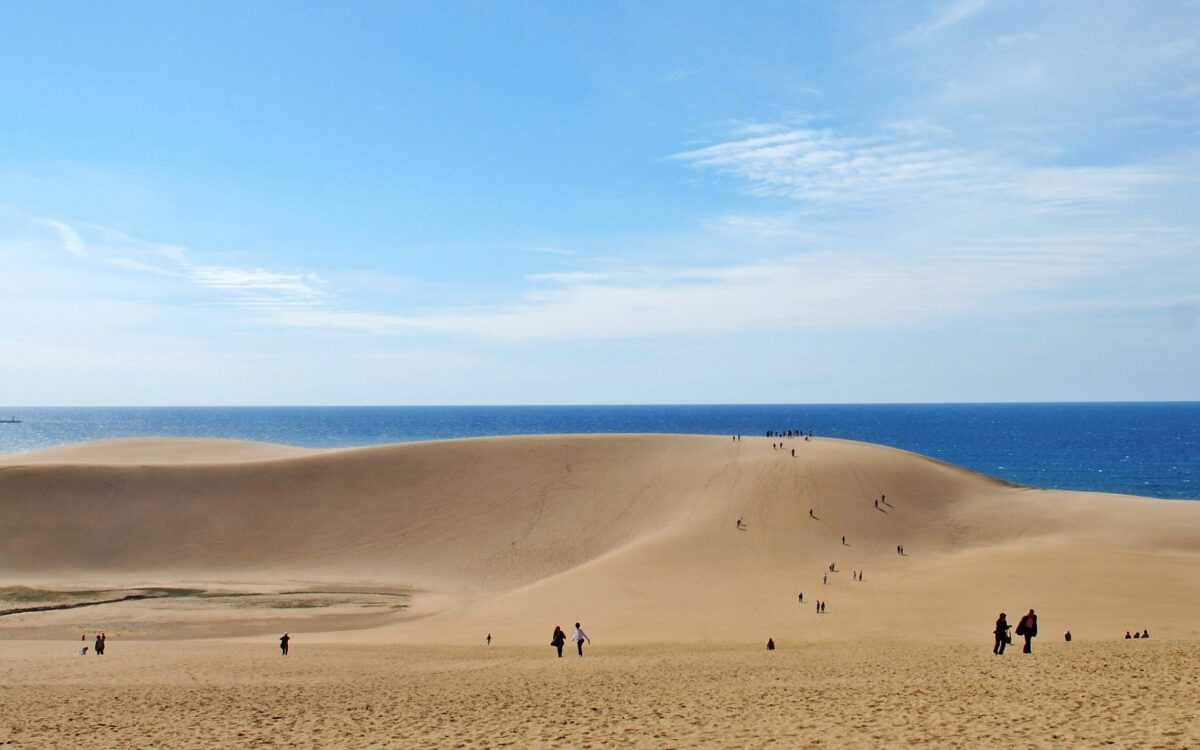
(634, 535)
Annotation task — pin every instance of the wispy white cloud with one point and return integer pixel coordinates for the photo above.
(1178, 49)
(682, 73)
(822, 166)
(1012, 40)
(256, 287)
(70, 240)
(947, 17)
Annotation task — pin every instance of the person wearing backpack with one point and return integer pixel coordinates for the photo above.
(1001, 632)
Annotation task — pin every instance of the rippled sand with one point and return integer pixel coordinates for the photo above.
(212, 694)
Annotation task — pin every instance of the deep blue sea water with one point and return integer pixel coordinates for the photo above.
(1150, 449)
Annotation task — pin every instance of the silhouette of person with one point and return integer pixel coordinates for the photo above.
(1145, 633)
(489, 639)
(1028, 628)
(283, 643)
(801, 597)
(579, 638)
(558, 639)
(99, 646)
(1127, 635)
(770, 644)
(1001, 633)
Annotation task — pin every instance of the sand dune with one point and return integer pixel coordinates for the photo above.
(634, 535)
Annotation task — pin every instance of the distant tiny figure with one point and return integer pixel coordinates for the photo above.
(883, 499)
(489, 639)
(558, 639)
(83, 651)
(741, 525)
(1127, 635)
(1027, 627)
(98, 648)
(1137, 634)
(810, 513)
(843, 540)
(1145, 633)
(876, 505)
(801, 597)
(897, 549)
(770, 644)
(818, 606)
(1001, 633)
(1067, 636)
(822, 607)
(579, 638)
(283, 643)
(825, 578)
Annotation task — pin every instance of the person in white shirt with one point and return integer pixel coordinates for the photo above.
(579, 638)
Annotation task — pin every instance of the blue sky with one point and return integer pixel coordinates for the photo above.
(530, 203)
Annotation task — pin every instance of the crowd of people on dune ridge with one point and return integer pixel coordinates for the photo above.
(1027, 626)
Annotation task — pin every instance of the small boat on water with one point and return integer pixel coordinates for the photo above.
(10, 420)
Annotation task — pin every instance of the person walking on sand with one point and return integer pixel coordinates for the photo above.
(489, 639)
(1028, 627)
(99, 645)
(1001, 633)
(283, 643)
(558, 639)
(579, 638)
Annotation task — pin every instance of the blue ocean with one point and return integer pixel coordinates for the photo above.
(1148, 449)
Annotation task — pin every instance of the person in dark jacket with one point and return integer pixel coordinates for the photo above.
(1028, 628)
(558, 639)
(1001, 632)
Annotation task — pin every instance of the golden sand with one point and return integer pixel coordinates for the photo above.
(389, 565)
(197, 694)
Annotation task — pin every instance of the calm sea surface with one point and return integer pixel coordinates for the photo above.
(1150, 449)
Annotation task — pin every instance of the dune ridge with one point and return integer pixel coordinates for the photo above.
(633, 534)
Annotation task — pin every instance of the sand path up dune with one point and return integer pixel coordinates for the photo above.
(635, 535)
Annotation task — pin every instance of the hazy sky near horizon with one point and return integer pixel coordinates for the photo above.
(599, 202)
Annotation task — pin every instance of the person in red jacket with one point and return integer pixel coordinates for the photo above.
(1028, 627)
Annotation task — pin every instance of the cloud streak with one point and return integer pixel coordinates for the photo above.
(950, 15)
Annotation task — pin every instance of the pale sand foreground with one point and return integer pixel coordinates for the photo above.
(210, 694)
(390, 564)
